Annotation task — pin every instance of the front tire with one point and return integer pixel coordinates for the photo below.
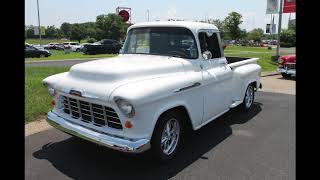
(286, 76)
(248, 98)
(166, 139)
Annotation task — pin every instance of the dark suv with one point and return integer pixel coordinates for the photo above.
(105, 46)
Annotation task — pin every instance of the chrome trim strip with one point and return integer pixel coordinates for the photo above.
(188, 87)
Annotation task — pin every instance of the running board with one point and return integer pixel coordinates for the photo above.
(235, 104)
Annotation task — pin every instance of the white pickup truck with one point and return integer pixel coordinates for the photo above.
(169, 76)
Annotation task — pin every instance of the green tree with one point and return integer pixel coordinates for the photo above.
(292, 26)
(30, 32)
(78, 32)
(232, 22)
(288, 38)
(243, 34)
(52, 32)
(256, 35)
(220, 25)
(110, 26)
(66, 29)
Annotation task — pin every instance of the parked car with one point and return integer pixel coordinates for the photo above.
(287, 66)
(105, 46)
(166, 80)
(59, 46)
(75, 47)
(31, 52)
(50, 46)
(82, 46)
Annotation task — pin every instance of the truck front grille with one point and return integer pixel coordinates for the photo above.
(91, 113)
(290, 66)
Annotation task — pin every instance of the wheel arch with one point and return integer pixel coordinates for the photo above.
(254, 82)
(179, 108)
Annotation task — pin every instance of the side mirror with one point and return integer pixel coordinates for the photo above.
(224, 46)
(207, 55)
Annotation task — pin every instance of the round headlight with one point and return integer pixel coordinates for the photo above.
(125, 107)
(51, 91)
(280, 60)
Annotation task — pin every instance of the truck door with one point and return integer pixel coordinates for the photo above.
(216, 74)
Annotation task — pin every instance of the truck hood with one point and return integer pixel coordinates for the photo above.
(99, 78)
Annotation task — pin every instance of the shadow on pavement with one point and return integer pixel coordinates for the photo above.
(80, 159)
(293, 78)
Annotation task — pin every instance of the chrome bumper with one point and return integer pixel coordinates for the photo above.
(117, 143)
(287, 71)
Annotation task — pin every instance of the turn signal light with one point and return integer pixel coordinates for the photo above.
(128, 124)
(53, 103)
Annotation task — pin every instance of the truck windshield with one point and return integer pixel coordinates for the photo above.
(166, 41)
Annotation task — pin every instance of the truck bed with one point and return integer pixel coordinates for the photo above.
(235, 59)
(239, 61)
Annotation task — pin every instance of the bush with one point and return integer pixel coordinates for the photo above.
(91, 40)
(288, 38)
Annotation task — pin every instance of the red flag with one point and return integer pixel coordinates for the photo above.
(289, 6)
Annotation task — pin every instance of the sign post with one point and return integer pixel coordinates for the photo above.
(279, 29)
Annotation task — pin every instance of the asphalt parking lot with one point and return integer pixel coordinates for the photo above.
(259, 144)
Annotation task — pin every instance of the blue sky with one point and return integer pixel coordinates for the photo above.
(55, 12)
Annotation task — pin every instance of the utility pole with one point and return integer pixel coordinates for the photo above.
(279, 28)
(148, 14)
(270, 29)
(39, 22)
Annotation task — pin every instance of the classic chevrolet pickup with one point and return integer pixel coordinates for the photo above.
(168, 77)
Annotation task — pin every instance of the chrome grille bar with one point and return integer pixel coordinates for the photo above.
(96, 114)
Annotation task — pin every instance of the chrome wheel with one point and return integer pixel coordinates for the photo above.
(249, 97)
(170, 136)
(42, 56)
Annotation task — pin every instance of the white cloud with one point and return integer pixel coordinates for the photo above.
(249, 20)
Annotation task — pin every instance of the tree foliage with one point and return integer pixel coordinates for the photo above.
(52, 32)
(256, 35)
(229, 27)
(232, 22)
(110, 26)
(220, 25)
(66, 29)
(78, 32)
(288, 38)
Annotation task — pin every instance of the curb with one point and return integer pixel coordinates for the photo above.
(36, 127)
(271, 73)
(60, 60)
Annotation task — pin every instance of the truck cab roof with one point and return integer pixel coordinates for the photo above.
(193, 26)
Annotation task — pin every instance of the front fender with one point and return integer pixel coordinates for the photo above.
(152, 97)
(53, 80)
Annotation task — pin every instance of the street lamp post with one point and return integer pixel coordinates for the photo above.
(148, 14)
(39, 22)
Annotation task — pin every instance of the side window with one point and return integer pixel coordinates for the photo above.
(107, 42)
(210, 43)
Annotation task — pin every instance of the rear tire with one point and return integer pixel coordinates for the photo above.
(248, 98)
(167, 135)
(286, 76)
